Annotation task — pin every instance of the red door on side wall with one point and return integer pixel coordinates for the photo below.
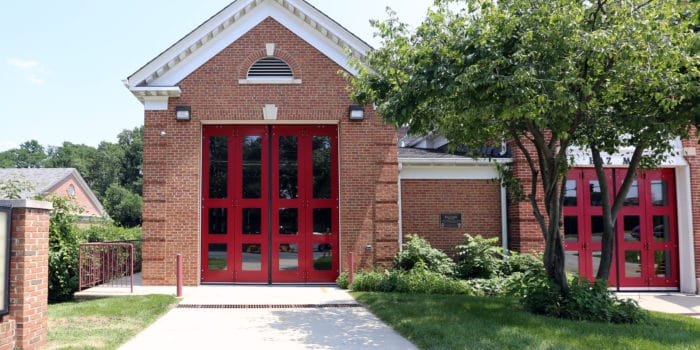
(646, 235)
(275, 219)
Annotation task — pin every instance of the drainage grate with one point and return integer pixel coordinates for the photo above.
(265, 306)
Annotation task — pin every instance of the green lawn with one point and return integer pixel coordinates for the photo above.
(465, 322)
(103, 323)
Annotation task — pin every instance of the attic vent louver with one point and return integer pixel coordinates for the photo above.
(270, 67)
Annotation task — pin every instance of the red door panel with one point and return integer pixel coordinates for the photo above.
(646, 236)
(270, 204)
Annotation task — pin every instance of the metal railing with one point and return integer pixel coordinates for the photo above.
(106, 263)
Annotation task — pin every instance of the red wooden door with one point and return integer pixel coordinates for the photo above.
(270, 204)
(304, 238)
(646, 235)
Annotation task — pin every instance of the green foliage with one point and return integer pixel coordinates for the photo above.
(478, 257)
(504, 286)
(418, 250)
(123, 206)
(548, 75)
(515, 262)
(418, 280)
(118, 164)
(63, 249)
(342, 280)
(585, 302)
(103, 323)
(472, 322)
(108, 232)
(13, 188)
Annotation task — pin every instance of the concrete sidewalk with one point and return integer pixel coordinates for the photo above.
(260, 317)
(672, 303)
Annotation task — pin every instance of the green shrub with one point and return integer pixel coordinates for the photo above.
(418, 280)
(510, 286)
(63, 249)
(417, 250)
(108, 232)
(478, 257)
(514, 262)
(342, 280)
(585, 301)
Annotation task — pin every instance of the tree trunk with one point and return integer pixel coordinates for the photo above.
(554, 258)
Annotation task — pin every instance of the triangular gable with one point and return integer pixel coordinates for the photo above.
(160, 76)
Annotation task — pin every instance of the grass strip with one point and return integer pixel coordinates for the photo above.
(467, 322)
(104, 323)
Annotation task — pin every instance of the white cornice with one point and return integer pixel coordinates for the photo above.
(155, 91)
(225, 27)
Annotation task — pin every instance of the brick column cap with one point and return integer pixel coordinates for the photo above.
(26, 203)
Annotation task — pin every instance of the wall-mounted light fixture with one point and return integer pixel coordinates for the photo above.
(183, 113)
(5, 240)
(356, 112)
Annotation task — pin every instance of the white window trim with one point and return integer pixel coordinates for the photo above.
(278, 81)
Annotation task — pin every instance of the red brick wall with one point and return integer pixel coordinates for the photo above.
(422, 202)
(367, 151)
(25, 326)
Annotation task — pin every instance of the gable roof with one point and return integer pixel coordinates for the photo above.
(160, 76)
(44, 180)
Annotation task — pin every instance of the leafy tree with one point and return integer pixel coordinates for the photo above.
(123, 206)
(71, 155)
(131, 143)
(30, 154)
(106, 168)
(547, 75)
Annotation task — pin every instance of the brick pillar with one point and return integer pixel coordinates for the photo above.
(25, 326)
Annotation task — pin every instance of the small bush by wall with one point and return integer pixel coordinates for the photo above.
(418, 250)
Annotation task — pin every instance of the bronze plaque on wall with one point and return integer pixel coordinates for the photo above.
(451, 220)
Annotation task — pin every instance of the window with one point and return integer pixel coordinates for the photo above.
(270, 70)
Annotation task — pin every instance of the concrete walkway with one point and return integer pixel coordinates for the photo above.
(294, 317)
(673, 303)
(262, 317)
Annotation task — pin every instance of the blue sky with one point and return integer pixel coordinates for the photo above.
(62, 62)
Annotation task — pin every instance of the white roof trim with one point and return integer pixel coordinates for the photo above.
(155, 91)
(455, 161)
(234, 21)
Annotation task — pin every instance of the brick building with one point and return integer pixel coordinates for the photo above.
(57, 182)
(258, 168)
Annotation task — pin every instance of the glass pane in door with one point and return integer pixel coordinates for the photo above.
(571, 228)
(288, 257)
(288, 167)
(250, 220)
(289, 221)
(321, 166)
(633, 263)
(216, 256)
(218, 167)
(659, 193)
(252, 260)
(217, 221)
(252, 166)
(632, 228)
(662, 229)
(662, 263)
(323, 256)
(322, 221)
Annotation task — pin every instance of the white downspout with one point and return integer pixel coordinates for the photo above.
(400, 212)
(504, 218)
